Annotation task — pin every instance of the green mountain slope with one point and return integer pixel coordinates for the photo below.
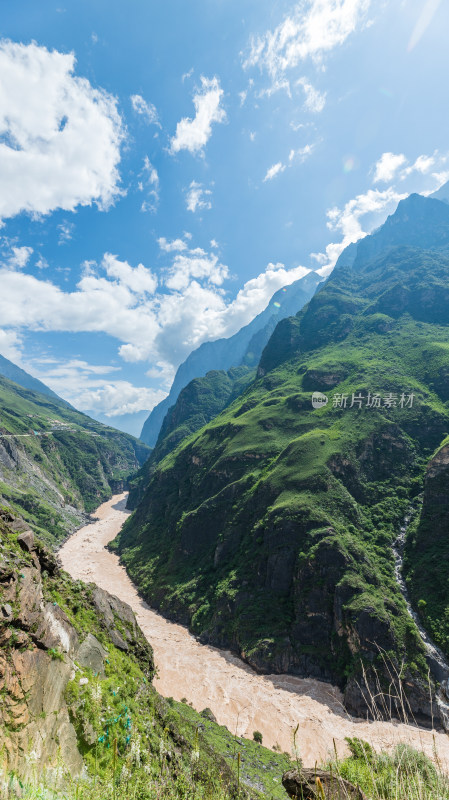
(56, 464)
(244, 347)
(199, 402)
(270, 530)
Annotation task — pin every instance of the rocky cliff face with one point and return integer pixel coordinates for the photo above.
(427, 551)
(42, 651)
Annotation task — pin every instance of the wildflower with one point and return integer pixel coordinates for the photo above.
(195, 756)
(135, 751)
(96, 693)
(125, 774)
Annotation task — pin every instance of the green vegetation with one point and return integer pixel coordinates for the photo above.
(199, 402)
(405, 773)
(270, 530)
(56, 463)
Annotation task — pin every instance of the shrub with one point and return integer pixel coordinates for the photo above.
(257, 736)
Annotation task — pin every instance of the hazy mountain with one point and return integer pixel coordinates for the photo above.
(222, 354)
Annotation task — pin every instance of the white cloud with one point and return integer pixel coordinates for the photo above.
(158, 324)
(273, 171)
(314, 100)
(86, 387)
(11, 345)
(193, 134)
(171, 247)
(387, 167)
(363, 213)
(147, 110)
(65, 230)
(150, 183)
(198, 265)
(60, 137)
(197, 198)
(311, 30)
(301, 154)
(139, 280)
(19, 257)
(187, 75)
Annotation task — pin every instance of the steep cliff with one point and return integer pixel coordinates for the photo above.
(270, 530)
(78, 709)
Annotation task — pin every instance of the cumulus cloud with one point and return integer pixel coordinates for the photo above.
(193, 134)
(198, 198)
(19, 257)
(387, 167)
(173, 246)
(313, 29)
(197, 264)
(273, 171)
(139, 280)
(147, 110)
(86, 387)
(11, 345)
(160, 323)
(60, 137)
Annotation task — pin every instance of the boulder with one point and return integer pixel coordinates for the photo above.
(319, 784)
(26, 540)
(91, 654)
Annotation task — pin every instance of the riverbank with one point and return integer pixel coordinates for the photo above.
(207, 677)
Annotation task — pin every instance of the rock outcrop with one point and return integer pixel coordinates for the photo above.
(40, 653)
(311, 784)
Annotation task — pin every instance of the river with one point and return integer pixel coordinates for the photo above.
(240, 698)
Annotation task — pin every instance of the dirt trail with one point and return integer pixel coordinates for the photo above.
(240, 698)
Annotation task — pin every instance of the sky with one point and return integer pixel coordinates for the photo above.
(166, 167)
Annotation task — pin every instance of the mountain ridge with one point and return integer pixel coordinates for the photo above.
(271, 499)
(222, 354)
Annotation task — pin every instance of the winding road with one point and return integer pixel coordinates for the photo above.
(207, 677)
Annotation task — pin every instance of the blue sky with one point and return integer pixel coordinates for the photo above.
(166, 167)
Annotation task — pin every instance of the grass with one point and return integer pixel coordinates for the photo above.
(246, 518)
(68, 469)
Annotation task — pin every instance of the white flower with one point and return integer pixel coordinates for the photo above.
(96, 693)
(135, 751)
(195, 756)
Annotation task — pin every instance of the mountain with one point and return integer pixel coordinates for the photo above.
(78, 703)
(245, 346)
(128, 423)
(199, 402)
(18, 375)
(57, 464)
(271, 530)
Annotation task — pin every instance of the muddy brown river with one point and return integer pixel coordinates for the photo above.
(207, 677)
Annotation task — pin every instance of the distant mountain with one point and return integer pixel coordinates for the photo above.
(128, 423)
(18, 375)
(245, 346)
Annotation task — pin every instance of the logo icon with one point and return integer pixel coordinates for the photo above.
(319, 400)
